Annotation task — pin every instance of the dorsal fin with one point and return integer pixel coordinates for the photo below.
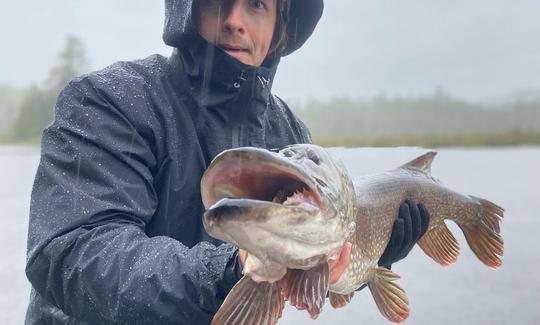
(422, 163)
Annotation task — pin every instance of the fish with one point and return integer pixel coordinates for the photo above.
(292, 210)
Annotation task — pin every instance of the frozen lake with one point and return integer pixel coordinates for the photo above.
(464, 293)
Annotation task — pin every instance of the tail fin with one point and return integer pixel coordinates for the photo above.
(250, 302)
(484, 236)
(492, 214)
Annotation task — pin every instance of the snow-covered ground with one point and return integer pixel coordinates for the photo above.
(464, 293)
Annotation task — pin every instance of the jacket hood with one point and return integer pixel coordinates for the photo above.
(304, 16)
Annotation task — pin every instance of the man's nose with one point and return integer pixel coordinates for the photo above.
(234, 18)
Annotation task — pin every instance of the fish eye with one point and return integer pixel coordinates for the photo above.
(288, 152)
(313, 157)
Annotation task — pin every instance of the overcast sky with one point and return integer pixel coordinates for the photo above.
(479, 50)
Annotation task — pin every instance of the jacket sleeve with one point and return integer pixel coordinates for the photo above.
(304, 130)
(93, 195)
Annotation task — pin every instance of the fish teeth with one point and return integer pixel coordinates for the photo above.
(295, 199)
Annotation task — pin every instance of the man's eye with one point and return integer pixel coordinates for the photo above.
(258, 4)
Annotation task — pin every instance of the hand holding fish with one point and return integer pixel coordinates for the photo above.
(339, 264)
(411, 224)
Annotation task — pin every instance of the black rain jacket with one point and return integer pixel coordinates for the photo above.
(115, 233)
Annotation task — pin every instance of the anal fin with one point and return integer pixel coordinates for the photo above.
(338, 300)
(307, 289)
(251, 302)
(389, 297)
(440, 245)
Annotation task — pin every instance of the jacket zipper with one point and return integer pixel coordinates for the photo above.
(236, 136)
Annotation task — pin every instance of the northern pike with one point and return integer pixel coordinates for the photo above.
(293, 210)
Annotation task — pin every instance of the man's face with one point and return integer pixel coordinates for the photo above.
(242, 28)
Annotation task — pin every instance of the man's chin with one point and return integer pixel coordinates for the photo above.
(242, 56)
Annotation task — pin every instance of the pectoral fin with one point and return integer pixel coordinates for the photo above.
(307, 289)
(389, 297)
(338, 301)
(250, 302)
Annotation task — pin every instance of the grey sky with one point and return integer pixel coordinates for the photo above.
(480, 50)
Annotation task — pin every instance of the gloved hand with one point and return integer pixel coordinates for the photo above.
(411, 225)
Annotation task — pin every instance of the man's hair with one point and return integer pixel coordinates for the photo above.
(279, 41)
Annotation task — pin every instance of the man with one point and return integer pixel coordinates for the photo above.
(115, 234)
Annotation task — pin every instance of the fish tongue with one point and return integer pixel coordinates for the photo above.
(280, 197)
(307, 289)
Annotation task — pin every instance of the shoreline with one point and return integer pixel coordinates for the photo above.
(495, 140)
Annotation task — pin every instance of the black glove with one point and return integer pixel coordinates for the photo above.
(411, 225)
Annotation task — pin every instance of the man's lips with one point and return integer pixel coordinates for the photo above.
(233, 48)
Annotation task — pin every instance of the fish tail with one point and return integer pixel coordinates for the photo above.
(483, 235)
(250, 302)
(492, 214)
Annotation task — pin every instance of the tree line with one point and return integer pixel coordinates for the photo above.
(25, 113)
(434, 120)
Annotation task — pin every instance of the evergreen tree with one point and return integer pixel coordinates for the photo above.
(35, 114)
(36, 111)
(71, 63)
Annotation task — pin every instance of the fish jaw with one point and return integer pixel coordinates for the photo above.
(255, 174)
(295, 236)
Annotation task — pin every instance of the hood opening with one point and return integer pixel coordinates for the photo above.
(304, 16)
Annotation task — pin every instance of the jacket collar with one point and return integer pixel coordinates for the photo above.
(217, 78)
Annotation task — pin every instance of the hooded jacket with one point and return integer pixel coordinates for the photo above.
(115, 233)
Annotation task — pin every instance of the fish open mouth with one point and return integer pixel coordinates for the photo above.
(270, 206)
(258, 175)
